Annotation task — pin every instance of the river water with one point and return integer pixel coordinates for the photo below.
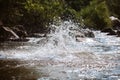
(60, 57)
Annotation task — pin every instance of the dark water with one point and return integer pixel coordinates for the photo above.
(15, 69)
(10, 70)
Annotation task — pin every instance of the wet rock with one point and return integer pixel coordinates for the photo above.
(20, 31)
(37, 35)
(7, 33)
(79, 34)
(109, 30)
(115, 22)
(12, 34)
(78, 39)
(89, 33)
(83, 32)
(86, 33)
(118, 33)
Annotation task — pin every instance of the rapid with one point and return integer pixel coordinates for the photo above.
(58, 56)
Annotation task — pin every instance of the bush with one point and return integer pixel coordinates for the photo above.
(40, 13)
(35, 15)
(96, 15)
(10, 11)
(114, 6)
(77, 5)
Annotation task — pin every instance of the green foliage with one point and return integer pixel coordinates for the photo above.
(96, 15)
(10, 11)
(35, 15)
(38, 14)
(114, 6)
(77, 4)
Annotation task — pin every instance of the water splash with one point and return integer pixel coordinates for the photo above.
(60, 53)
(62, 37)
(62, 40)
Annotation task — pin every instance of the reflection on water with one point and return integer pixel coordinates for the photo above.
(13, 70)
(60, 57)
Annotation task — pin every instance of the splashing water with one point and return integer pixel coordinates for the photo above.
(60, 53)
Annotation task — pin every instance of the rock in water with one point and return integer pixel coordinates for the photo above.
(118, 33)
(20, 31)
(109, 30)
(7, 33)
(89, 33)
(115, 22)
(80, 36)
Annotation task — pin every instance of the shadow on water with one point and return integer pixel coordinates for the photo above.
(10, 45)
(11, 70)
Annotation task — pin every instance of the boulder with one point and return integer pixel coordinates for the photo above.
(79, 39)
(88, 33)
(110, 31)
(115, 22)
(20, 31)
(84, 33)
(79, 34)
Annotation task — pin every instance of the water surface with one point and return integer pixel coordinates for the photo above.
(60, 57)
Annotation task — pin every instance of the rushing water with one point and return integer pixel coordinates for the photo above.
(60, 57)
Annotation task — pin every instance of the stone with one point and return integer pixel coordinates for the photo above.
(7, 33)
(115, 22)
(20, 31)
(118, 33)
(38, 35)
(88, 33)
(109, 30)
(79, 34)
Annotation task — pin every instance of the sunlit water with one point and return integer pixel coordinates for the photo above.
(60, 57)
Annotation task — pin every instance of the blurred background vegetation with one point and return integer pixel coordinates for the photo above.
(36, 15)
